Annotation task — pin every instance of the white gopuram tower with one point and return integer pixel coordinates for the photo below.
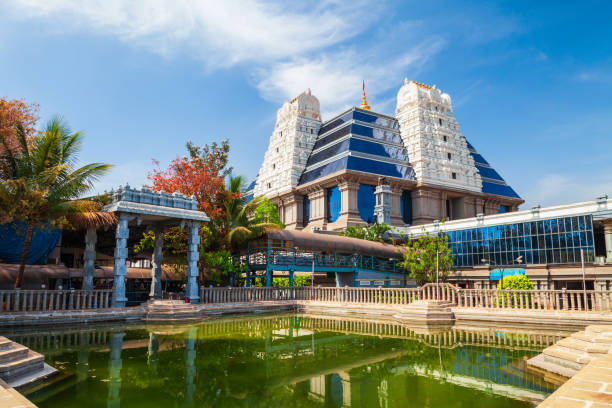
(295, 132)
(437, 150)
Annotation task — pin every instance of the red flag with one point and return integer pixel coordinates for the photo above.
(363, 85)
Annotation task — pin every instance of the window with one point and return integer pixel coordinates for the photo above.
(277, 150)
(311, 131)
(269, 185)
(445, 139)
(306, 210)
(281, 133)
(406, 207)
(440, 121)
(273, 166)
(449, 156)
(454, 175)
(366, 202)
(334, 203)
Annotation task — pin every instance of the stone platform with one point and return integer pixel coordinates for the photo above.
(429, 312)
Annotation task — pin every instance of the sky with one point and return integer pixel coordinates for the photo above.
(530, 81)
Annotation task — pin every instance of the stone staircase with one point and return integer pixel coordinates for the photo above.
(571, 354)
(172, 310)
(19, 364)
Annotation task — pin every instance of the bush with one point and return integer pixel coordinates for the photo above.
(298, 280)
(516, 282)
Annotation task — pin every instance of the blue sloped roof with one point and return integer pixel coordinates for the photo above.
(492, 182)
(361, 141)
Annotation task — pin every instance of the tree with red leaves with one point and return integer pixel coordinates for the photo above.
(12, 113)
(200, 174)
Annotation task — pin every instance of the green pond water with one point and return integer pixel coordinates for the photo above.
(285, 361)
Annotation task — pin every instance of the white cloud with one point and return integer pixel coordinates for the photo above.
(555, 189)
(221, 33)
(335, 78)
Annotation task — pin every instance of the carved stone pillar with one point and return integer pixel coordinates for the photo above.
(318, 212)
(156, 265)
(426, 206)
(89, 257)
(349, 212)
(193, 256)
(396, 206)
(382, 210)
(293, 212)
(121, 253)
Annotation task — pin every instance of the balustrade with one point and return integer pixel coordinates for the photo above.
(52, 300)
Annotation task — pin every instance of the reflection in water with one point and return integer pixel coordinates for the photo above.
(287, 360)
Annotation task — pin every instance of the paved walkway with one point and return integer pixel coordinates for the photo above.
(591, 387)
(9, 398)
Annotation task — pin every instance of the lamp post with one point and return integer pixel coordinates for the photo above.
(518, 260)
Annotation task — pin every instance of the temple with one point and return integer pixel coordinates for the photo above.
(408, 169)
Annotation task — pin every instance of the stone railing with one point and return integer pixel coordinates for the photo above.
(391, 296)
(52, 300)
(471, 298)
(590, 300)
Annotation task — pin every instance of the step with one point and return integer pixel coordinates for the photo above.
(540, 362)
(570, 356)
(16, 352)
(5, 343)
(600, 330)
(16, 368)
(583, 346)
(592, 338)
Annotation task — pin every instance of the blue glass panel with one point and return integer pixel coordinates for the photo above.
(366, 202)
(406, 208)
(380, 168)
(498, 189)
(489, 173)
(328, 152)
(323, 171)
(469, 145)
(306, 210)
(336, 122)
(332, 136)
(334, 203)
(479, 159)
(378, 149)
(502, 209)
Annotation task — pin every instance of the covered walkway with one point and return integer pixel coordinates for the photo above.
(354, 262)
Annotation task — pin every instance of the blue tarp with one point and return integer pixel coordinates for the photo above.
(12, 236)
(496, 274)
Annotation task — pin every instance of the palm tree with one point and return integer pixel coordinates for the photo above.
(240, 222)
(40, 184)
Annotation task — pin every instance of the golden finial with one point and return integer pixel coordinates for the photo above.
(364, 102)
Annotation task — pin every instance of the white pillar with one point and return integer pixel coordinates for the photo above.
(382, 210)
(121, 253)
(193, 256)
(89, 257)
(608, 236)
(156, 265)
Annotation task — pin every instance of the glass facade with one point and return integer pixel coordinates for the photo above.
(306, 210)
(366, 200)
(406, 207)
(551, 241)
(334, 203)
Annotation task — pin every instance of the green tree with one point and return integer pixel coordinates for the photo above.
(41, 185)
(266, 212)
(373, 232)
(420, 257)
(516, 282)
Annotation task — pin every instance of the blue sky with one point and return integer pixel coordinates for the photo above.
(530, 81)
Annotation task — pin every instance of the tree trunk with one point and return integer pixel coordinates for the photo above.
(24, 255)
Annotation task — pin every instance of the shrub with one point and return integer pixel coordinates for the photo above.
(516, 282)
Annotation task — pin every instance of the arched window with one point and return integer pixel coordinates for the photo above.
(306, 210)
(406, 207)
(366, 200)
(334, 203)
